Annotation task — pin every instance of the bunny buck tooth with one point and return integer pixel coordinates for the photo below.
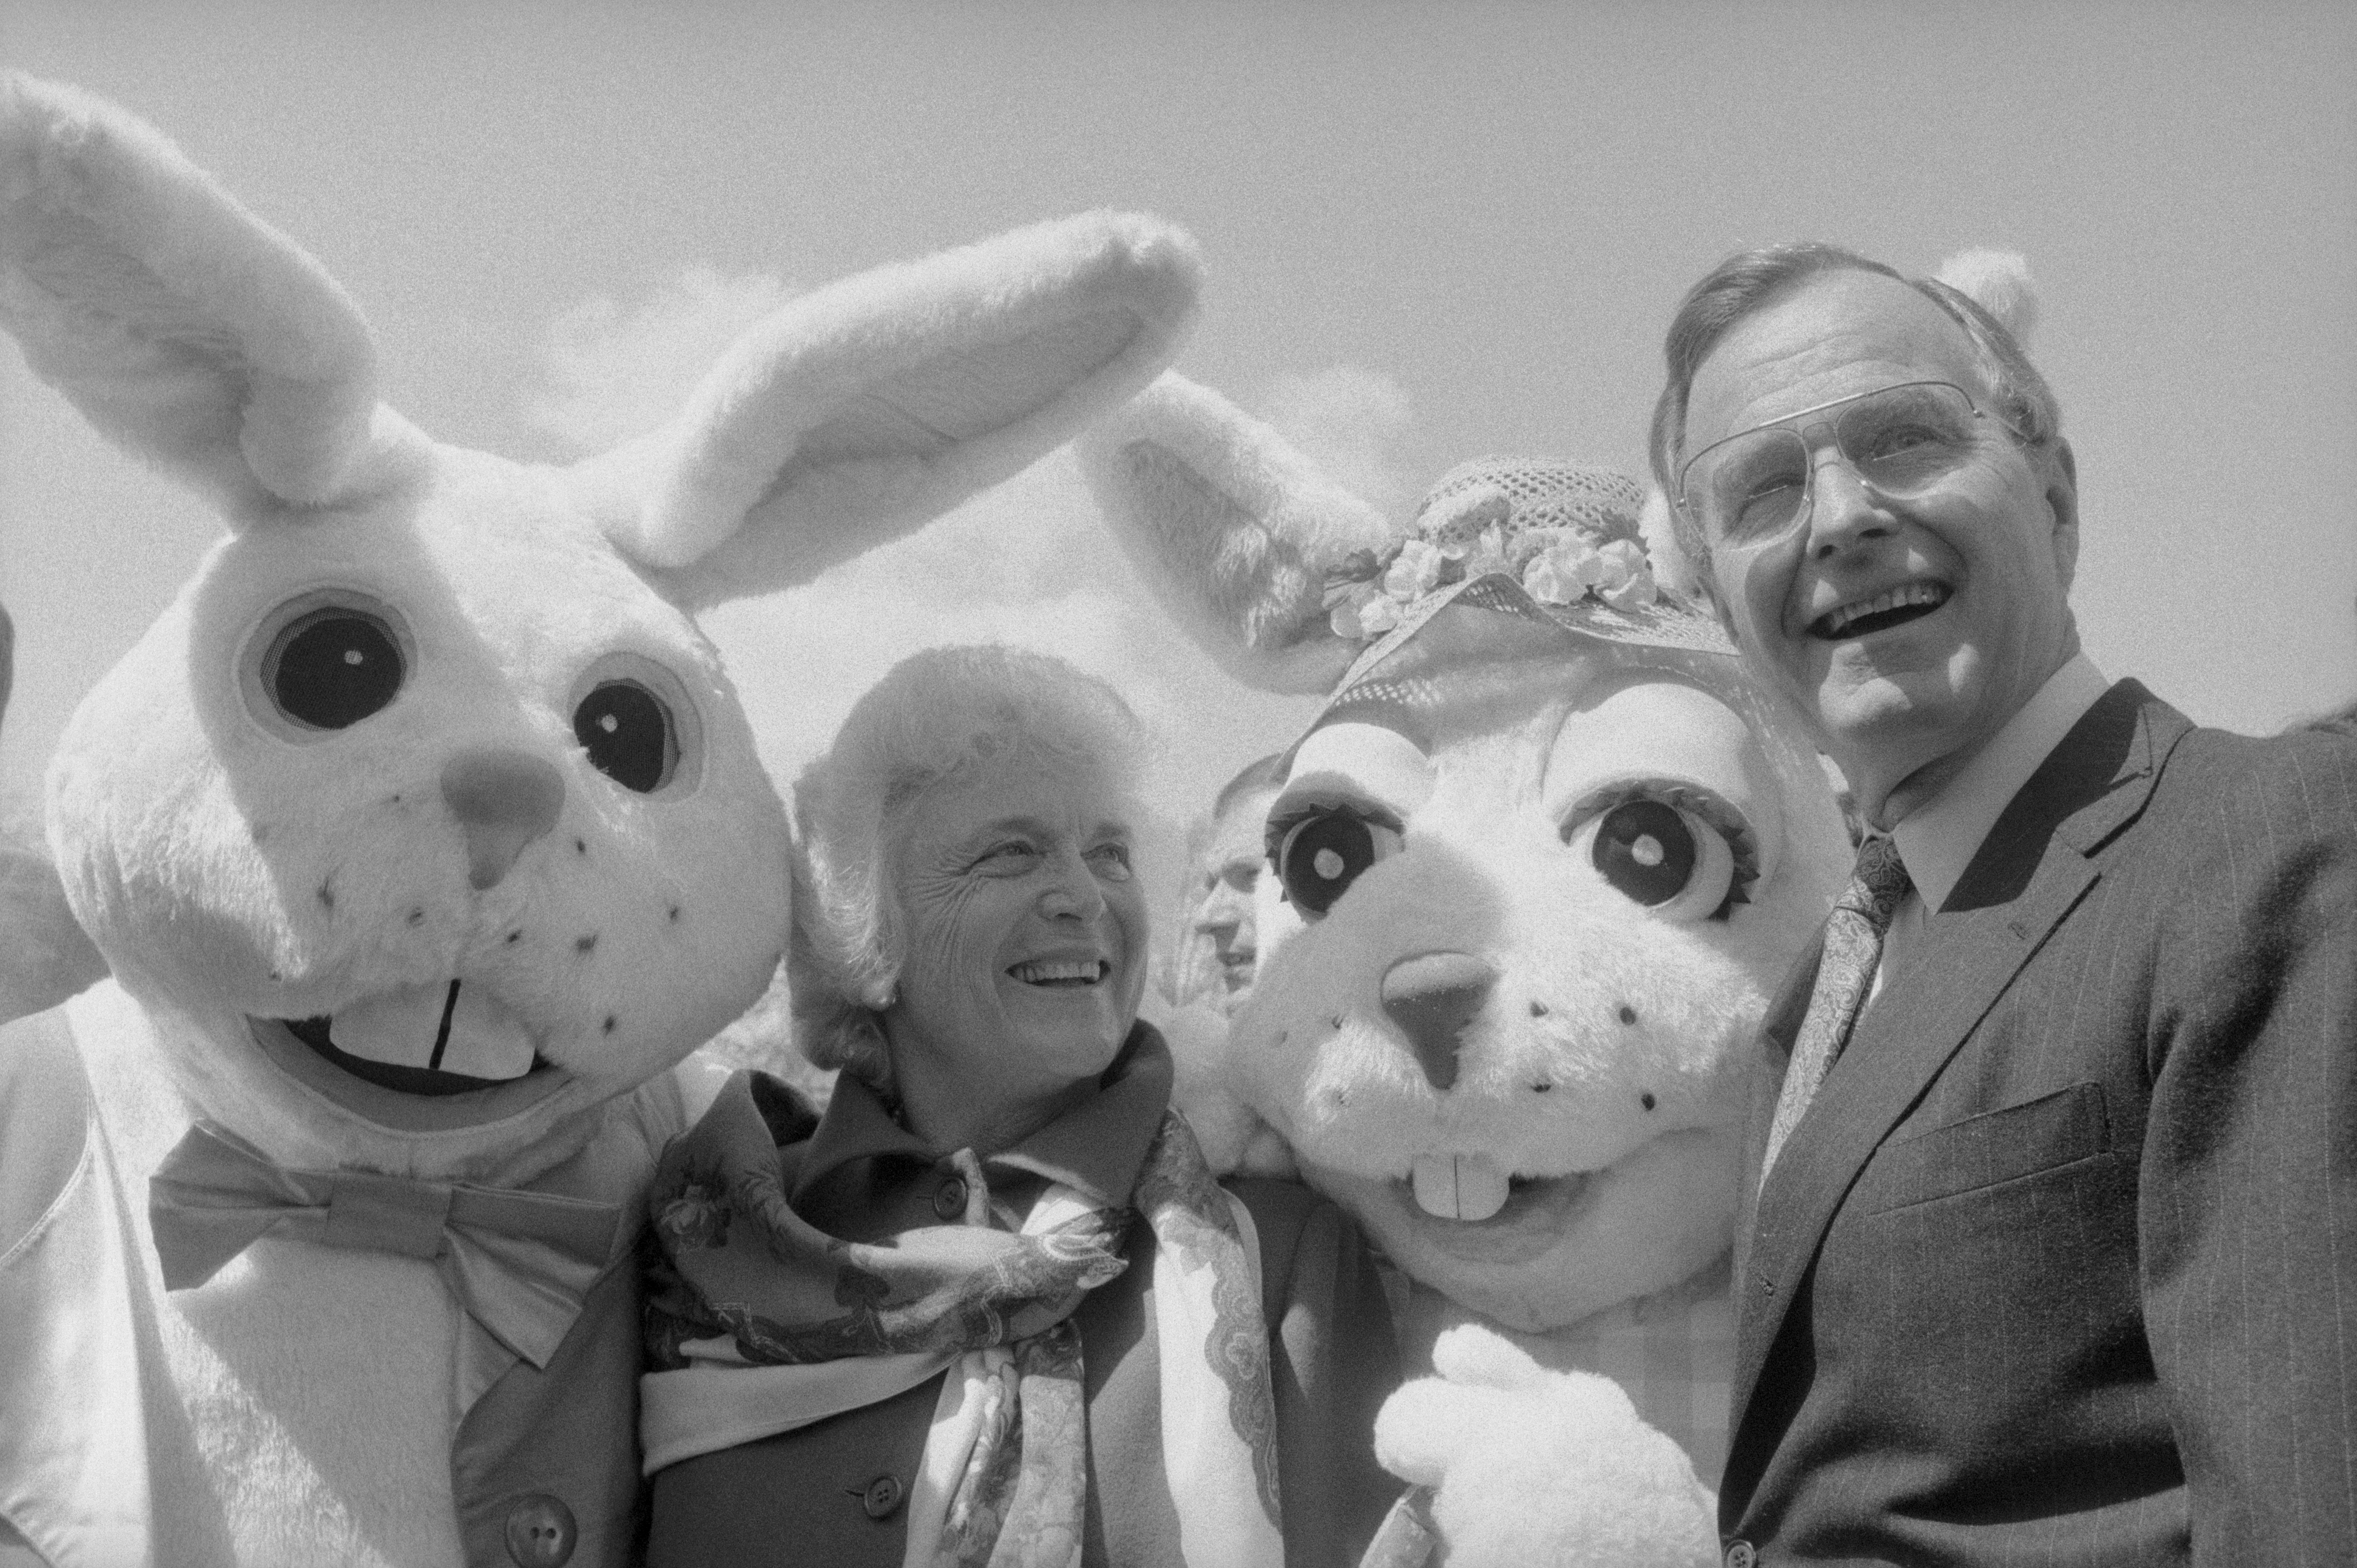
(401, 1026)
(1456, 1187)
(487, 1040)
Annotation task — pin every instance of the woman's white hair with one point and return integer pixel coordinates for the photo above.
(934, 716)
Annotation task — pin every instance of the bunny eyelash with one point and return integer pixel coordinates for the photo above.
(1697, 801)
(1273, 836)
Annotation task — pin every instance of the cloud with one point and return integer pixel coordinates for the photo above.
(613, 373)
(1354, 423)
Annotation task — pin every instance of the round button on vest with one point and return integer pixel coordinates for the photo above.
(1741, 1554)
(949, 1202)
(881, 1496)
(541, 1531)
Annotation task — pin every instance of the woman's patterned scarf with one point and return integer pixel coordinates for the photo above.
(759, 1323)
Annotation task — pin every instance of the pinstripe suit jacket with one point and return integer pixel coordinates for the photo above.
(2060, 1267)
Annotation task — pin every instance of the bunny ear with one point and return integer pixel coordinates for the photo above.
(1998, 282)
(1235, 530)
(861, 410)
(183, 326)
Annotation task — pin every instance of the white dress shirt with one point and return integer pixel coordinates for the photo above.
(1939, 837)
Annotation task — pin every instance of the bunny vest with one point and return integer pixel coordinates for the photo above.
(111, 1452)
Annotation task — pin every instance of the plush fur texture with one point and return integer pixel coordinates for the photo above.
(458, 852)
(51, 958)
(102, 208)
(894, 395)
(1598, 1006)
(1998, 282)
(1233, 529)
(1546, 1490)
(1599, 1081)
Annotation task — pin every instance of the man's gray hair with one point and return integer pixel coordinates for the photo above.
(1749, 281)
(934, 716)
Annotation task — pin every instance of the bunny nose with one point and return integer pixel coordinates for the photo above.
(503, 799)
(1432, 997)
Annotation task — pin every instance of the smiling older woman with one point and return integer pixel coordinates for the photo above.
(992, 1306)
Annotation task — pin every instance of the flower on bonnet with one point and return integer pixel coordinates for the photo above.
(1488, 554)
(1365, 613)
(1571, 542)
(1415, 571)
(1563, 572)
(1628, 581)
(1569, 568)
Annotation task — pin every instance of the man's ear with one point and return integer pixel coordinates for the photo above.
(2063, 499)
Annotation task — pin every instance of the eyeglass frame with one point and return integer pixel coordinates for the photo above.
(1809, 470)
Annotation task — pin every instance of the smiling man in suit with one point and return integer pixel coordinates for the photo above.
(2051, 1247)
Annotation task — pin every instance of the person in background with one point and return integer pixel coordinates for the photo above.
(992, 1305)
(1217, 943)
(2052, 1252)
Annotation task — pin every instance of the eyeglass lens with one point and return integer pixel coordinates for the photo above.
(1901, 440)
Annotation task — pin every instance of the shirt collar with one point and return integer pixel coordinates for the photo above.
(1098, 1146)
(1938, 839)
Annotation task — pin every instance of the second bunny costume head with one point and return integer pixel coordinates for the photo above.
(1536, 867)
(424, 822)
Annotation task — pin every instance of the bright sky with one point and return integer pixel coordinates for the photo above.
(1432, 231)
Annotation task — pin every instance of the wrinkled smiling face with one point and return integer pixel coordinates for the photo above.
(1904, 632)
(424, 829)
(1025, 925)
(1512, 958)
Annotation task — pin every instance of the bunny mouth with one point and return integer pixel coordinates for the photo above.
(424, 1040)
(1464, 1190)
(1471, 1210)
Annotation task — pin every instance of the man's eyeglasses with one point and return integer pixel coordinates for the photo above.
(1901, 440)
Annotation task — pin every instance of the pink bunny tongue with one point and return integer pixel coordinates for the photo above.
(453, 1027)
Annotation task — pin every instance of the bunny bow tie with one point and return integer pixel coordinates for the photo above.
(518, 1262)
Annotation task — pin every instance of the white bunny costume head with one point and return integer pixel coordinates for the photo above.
(424, 822)
(1538, 864)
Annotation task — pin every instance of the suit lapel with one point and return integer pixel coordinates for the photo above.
(2034, 867)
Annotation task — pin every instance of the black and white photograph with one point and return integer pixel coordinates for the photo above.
(1068, 784)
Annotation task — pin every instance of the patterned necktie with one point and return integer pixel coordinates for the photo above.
(1852, 947)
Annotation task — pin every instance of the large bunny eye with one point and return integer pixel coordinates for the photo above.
(629, 734)
(1322, 851)
(637, 723)
(1646, 851)
(1686, 861)
(330, 667)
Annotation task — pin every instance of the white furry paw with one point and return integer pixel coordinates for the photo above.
(1530, 1466)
